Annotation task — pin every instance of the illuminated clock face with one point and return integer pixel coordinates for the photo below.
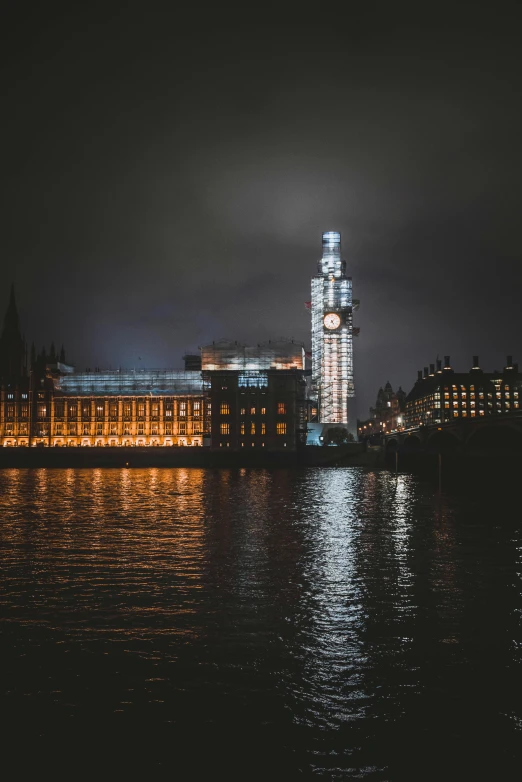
(332, 320)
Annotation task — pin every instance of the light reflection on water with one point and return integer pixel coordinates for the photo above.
(351, 621)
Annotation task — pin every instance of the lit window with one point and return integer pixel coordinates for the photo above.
(281, 427)
(154, 409)
(183, 427)
(263, 411)
(281, 408)
(141, 409)
(99, 410)
(242, 429)
(243, 411)
(113, 409)
(252, 428)
(42, 411)
(197, 409)
(182, 409)
(225, 428)
(252, 411)
(263, 428)
(225, 408)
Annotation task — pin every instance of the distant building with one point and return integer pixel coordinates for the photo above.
(441, 395)
(386, 415)
(332, 336)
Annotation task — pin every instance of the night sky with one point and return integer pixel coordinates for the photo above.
(167, 177)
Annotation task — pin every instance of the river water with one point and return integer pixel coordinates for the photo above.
(254, 624)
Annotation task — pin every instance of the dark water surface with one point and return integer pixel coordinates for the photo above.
(255, 624)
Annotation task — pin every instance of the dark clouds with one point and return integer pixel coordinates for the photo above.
(167, 178)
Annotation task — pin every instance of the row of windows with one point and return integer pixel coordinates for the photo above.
(227, 445)
(99, 410)
(72, 429)
(224, 428)
(225, 409)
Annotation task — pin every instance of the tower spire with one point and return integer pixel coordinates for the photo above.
(12, 346)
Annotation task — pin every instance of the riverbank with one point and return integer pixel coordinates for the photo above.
(351, 453)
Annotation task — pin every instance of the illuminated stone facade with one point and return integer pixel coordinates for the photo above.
(230, 396)
(242, 397)
(107, 409)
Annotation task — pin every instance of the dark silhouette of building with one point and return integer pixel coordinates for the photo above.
(13, 352)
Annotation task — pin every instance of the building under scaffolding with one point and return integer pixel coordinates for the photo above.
(332, 335)
(274, 354)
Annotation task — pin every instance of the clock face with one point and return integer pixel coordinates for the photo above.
(332, 320)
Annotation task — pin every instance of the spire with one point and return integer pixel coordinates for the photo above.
(11, 320)
(12, 346)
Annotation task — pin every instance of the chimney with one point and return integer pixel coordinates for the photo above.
(419, 374)
(475, 364)
(425, 371)
(439, 365)
(432, 369)
(447, 364)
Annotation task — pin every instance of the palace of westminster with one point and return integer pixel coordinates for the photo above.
(232, 395)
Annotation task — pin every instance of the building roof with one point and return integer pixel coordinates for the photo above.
(146, 382)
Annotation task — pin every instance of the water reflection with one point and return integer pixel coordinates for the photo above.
(346, 619)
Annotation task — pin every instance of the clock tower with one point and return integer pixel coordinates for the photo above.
(332, 336)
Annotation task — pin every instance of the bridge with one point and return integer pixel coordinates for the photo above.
(481, 435)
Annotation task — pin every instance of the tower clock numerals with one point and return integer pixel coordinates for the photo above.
(332, 321)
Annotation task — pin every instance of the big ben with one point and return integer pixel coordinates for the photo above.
(332, 335)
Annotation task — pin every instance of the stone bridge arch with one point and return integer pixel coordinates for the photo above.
(412, 442)
(443, 441)
(501, 436)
